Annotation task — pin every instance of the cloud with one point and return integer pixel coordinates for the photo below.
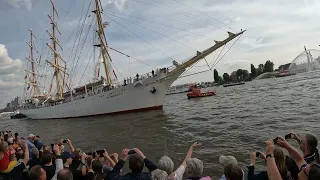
(9, 69)
(21, 3)
(119, 4)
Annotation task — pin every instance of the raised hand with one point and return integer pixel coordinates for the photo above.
(115, 156)
(139, 153)
(105, 153)
(270, 146)
(262, 156)
(282, 142)
(124, 154)
(69, 141)
(196, 144)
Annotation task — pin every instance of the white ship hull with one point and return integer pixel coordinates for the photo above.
(133, 97)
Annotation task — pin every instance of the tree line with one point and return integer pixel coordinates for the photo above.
(242, 74)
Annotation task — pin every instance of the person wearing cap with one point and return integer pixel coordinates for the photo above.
(225, 161)
(37, 142)
(30, 142)
(67, 159)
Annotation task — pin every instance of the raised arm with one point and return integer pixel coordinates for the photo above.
(272, 169)
(189, 153)
(26, 154)
(293, 152)
(106, 155)
(149, 164)
(70, 145)
(116, 169)
(58, 161)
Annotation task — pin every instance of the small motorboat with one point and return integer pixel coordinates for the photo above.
(196, 92)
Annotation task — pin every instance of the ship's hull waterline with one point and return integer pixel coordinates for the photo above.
(138, 96)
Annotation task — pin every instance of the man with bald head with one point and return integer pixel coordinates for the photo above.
(64, 174)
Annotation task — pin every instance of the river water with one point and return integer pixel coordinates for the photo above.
(234, 122)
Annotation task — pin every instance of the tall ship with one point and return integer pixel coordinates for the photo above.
(103, 95)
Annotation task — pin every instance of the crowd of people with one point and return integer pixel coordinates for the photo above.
(30, 159)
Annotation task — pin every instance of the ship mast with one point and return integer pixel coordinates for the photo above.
(57, 56)
(33, 80)
(103, 41)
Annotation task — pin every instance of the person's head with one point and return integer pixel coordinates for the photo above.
(159, 174)
(35, 152)
(36, 138)
(194, 167)
(136, 163)
(310, 172)
(226, 160)
(31, 137)
(279, 157)
(67, 157)
(308, 144)
(37, 173)
(77, 153)
(19, 151)
(233, 172)
(89, 162)
(165, 163)
(97, 166)
(10, 141)
(46, 157)
(64, 174)
(3, 148)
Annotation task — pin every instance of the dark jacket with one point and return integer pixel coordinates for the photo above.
(263, 175)
(115, 173)
(293, 168)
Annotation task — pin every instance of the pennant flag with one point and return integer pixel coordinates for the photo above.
(28, 87)
(25, 77)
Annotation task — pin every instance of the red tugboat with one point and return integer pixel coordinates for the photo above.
(196, 92)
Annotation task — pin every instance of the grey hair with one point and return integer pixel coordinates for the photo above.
(165, 163)
(194, 167)
(35, 152)
(159, 174)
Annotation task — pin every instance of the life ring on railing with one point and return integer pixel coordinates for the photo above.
(153, 90)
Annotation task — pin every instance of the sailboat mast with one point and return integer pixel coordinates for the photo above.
(102, 40)
(33, 73)
(56, 56)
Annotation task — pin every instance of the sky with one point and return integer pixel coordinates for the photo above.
(153, 33)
